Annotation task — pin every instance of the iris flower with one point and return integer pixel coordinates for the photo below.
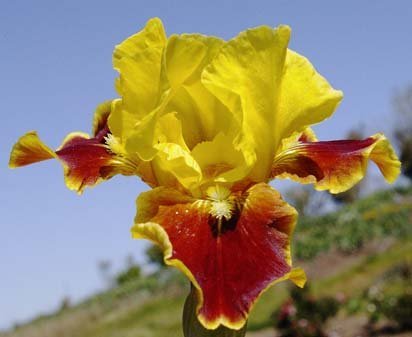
(207, 124)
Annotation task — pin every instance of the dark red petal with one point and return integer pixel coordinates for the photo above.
(83, 159)
(233, 265)
(336, 165)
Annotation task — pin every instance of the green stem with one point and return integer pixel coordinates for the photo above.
(192, 326)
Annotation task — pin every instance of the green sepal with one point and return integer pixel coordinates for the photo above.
(193, 328)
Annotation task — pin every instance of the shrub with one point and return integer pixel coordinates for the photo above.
(399, 309)
(303, 315)
(131, 274)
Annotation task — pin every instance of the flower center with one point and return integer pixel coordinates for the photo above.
(221, 209)
(222, 206)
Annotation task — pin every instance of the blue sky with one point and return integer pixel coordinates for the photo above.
(55, 66)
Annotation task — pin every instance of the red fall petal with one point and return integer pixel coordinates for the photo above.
(230, 263)
(336, 165)
(83, 159)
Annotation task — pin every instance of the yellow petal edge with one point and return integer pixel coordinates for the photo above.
(29, 149)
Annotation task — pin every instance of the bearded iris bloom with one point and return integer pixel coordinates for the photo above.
(207, 123)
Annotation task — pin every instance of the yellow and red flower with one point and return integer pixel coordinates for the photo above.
(207, 124)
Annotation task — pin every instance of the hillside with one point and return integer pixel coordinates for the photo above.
(363, 246)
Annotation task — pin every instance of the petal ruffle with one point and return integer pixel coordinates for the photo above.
(181, 113)
(246, 76)
(182, 56)
(173, 164)
(203, 116)
(173, 160)
(230, 261)
(138, 60)
(336, 165)
(306, 97)
(154, 72)
(220, 161)
(273, 91)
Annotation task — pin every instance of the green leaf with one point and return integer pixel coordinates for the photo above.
(193, 328)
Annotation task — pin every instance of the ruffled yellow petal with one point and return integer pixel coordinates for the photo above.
(181, 65)
(306, 97)
(384, 156)
(169, 130)
(173, 164)
(173, 159)
(273, 91)
(138, 60)
(246, 76)
(203, 116)
(220, 161)
(184, 53)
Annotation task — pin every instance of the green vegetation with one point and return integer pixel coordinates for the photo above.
(387, 213)
(132, 273)
(304, 315)
(371, 237)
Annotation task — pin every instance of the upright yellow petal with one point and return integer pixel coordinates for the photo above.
(305, 98)
(169, 130)
(184, 53)
(203, 116)
(246, 76)
(220, 161)
(138, 60)
(173, 164)
(183, 56)
(173, 159)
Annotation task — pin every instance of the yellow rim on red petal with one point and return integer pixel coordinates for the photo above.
(231, 259)
(29, 149)
(336, 165)
(86, 161)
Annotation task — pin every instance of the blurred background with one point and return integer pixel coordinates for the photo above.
(69, 267)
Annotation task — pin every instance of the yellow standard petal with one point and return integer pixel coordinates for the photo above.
(173, 165)
(203, 116)
(306, 97)
(246, 76)
(138, 60)
(183, 55)
(220, 160)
